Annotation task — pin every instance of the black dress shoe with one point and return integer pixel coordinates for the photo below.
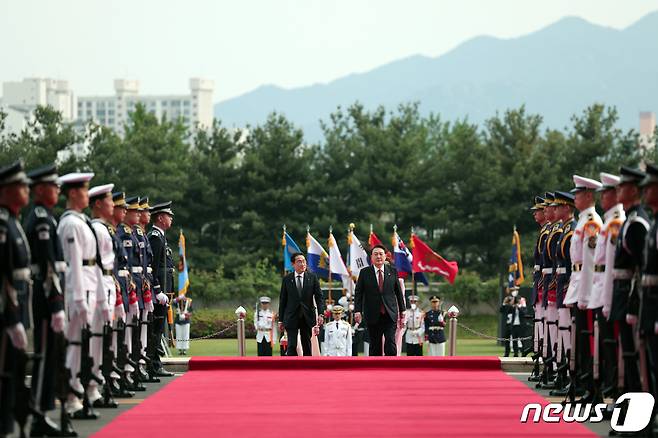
(43, 426)
(163, 373)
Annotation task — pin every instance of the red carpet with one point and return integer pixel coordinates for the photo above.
(372, 397)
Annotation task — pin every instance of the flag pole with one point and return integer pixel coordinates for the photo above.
(350, 233)
(330, 298)
(413, 274)
(284, 244)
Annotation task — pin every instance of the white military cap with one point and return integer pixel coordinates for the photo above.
(76, 179)
(337, 309)
(101, 191)
(413, 297)
(583, 183)
(608, 181)
(264, 299)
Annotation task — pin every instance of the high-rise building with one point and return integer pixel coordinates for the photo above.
(194, 109)
(20, 99)
(647, 130)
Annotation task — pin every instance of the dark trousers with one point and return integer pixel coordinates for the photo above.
(608, 356)
(513, 332)
(159, 315)
(414, 350)
(264, 348)
(630, 357)
(304, 331)
(47, 401)
(385, 327)
(583, 351)
(8, 390)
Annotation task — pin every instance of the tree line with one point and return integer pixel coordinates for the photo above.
(461, 186)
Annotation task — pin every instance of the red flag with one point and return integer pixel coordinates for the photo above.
(374, 240)
(426, 260)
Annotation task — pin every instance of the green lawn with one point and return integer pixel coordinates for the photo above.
(229, 347)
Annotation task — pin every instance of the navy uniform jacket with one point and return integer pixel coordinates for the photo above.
(163, 267)
(434, 326)
(15, 260)
(628, 263)
(563, 261)
(549, 258)
(47, 257)
(649, 314)
(537, 277)
(121, 269)
(147, 254)
(130, 244)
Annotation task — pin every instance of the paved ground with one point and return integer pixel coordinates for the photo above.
(601, 428)
(86, 428)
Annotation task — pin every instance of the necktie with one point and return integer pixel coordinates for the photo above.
(380, 280)
(299, 284)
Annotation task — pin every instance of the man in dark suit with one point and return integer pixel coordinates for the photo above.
(300, 294)
(380, 299)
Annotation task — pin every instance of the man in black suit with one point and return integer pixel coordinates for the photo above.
(300, 294)
(380, 299)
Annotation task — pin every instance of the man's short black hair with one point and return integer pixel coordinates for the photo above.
(378, 246)
(295, 255)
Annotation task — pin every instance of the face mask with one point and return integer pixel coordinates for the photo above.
(514, 293)
(413, 307)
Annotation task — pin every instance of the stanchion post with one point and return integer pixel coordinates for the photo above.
(242, 346)
(453, 313)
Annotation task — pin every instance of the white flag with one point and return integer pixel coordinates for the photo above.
(358, 256)
(336, 263)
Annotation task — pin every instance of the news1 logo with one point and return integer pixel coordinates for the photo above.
(635, 416)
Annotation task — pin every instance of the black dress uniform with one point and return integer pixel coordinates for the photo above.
(48, 269)
(628, 263)
(163, 279)
(15, 261)
(130, 245)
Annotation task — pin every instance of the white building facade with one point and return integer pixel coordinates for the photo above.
(194, 109)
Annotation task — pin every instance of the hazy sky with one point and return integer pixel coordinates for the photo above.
(247, 43)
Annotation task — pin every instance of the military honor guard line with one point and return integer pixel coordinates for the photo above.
(595, 288)
(94, 291)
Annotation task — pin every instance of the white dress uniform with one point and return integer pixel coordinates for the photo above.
(415, 333)
(83, 283)
(183, 312)
(604, 259)
(338, 338)
(264, 325)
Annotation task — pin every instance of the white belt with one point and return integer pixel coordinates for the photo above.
(561, 270)
(622, 274)
(536, 268)
(60, 266)
(22, 274)
(649, 280)
(547, 271)
(123, 273)
(149, 270)
(137, 269)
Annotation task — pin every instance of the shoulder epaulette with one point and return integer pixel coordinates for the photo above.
(139, 231)
(126, 229)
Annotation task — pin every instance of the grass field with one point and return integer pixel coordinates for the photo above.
(229, 347)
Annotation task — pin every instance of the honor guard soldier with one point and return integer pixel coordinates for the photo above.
(537, 285)
(102, 207)
(14, 293)
(648, 323)
(183, 305)
(48, 269)
(549, 280)
(628, 265)
(147, 258)
(163, 277)
(83, 293)
(434, 328)
(264, 324)
(583, 247)
(605, 351)
(128, 292)
(415, 330)
(338, 334)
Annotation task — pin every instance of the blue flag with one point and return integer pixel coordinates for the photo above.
(289, 248)
(183, 277)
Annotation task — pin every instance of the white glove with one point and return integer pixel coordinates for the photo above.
(133, 308)
(106, 313)
(606, 313)
(81, 308)
(149, 306)
(17, 336)
(58, 321)
(162, 298)
(631, 319)
(120, 313)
